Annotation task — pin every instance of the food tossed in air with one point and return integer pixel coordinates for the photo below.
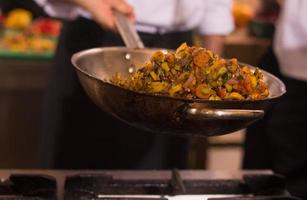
(194, 72)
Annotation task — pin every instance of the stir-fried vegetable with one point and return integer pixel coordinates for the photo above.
(194, 72)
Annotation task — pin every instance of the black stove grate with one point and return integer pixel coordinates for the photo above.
(253, 186)
(28, 187)
(99, 186)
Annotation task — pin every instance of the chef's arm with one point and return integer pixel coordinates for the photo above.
(214, 43)
(99, 10)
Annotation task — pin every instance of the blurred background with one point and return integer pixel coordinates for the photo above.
(28, 39)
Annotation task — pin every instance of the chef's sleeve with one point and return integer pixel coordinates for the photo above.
(217, 18)
(61, 9)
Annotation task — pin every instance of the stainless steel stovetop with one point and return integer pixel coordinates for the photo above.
(141, 185)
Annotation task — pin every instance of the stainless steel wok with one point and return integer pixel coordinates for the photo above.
(163, 114)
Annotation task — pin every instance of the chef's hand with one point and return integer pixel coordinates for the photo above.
(101, 11)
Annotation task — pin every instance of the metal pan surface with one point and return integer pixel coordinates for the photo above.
(163, 114)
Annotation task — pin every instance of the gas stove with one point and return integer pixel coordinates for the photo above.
(141, 185)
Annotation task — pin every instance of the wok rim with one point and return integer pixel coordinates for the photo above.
(76, 56)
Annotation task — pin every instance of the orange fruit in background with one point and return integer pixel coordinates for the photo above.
(242, 14)
(18, 19)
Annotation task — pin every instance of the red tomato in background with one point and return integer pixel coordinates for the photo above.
(44, 26)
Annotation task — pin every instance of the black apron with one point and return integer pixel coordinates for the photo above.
(77, 134)
(279, 141)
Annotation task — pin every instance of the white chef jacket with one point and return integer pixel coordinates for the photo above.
(161, 16)
(290, 43)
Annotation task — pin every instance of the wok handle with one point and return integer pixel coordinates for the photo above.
(127, 31)
(235, 114)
